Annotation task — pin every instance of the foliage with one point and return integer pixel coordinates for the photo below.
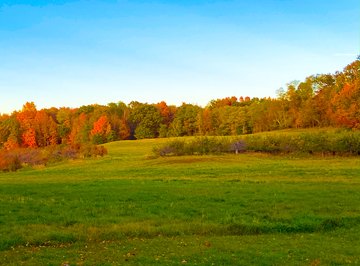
(88, 151)
(322, 142)
(195, 146)
(9, 161)
(324, 100)
(12, 160)
(101, 131)
(340, 142)
(147, 120)
(185, 121)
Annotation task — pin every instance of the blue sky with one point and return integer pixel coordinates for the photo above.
(73, 53)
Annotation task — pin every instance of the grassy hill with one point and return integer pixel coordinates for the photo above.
(130, 208)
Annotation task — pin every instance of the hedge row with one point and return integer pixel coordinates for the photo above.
(16, 159)
(332, 143)
(201, 146)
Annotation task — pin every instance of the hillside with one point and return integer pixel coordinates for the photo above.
(129, 207)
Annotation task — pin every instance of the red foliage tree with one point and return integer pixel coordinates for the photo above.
(29, 138)
(101, 130)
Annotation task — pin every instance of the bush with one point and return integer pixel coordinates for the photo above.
(9, 161)
(333, 143)
(33, 156)
(175, 148)
(14, 159)
(67, 152)
(324, 143)
(238, 146)
(197, 146)
(89, 150)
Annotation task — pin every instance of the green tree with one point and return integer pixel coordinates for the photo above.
(10, 135)
(146, 119)
(185, 122)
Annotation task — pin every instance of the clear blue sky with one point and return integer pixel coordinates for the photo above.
(72, 53)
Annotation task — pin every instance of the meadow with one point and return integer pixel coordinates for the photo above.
(131, 208)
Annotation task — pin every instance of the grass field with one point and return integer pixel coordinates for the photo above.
(129, 208)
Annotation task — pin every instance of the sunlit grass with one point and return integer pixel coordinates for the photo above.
(130, 207)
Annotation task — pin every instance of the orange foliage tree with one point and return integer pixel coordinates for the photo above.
(46, 129)
(101, 130)
(26, 119)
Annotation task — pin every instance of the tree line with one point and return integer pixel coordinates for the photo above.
(320, 100)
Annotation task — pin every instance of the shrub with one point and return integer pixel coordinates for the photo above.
(175, 148)
(100, 151)
(14, 159)
(238, 146)
(331, 143)
(32, 156)
(68, 152)
(206, 145)
(88, 150)
(9, 161)
(197, 146)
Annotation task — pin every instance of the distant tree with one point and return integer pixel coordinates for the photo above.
(26, 120)
(118, 119)
(185, 122)
(228, 101)
(86, 109)
(147, 120)
(325, 92)
(10, 135)
(347, 104)
(167, 113)
(46, 129)
(64, 117)
(29, 138)
(80, 130)
(205, 122)
(101, 131)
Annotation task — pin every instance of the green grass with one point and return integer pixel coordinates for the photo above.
(131, 209)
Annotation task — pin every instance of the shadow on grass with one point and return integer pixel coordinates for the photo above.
(118, 232)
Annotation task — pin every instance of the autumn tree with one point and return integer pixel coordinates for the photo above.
(46, 129)
(324, 93)
(167, 113)
(318, 101)
(346, 102)
(101, 131)
(205, 122)
(26, 120)
(228, 101)
(80, 130)
(347, 106)
(118, 118)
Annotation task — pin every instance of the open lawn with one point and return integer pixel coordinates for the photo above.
(129, 208)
